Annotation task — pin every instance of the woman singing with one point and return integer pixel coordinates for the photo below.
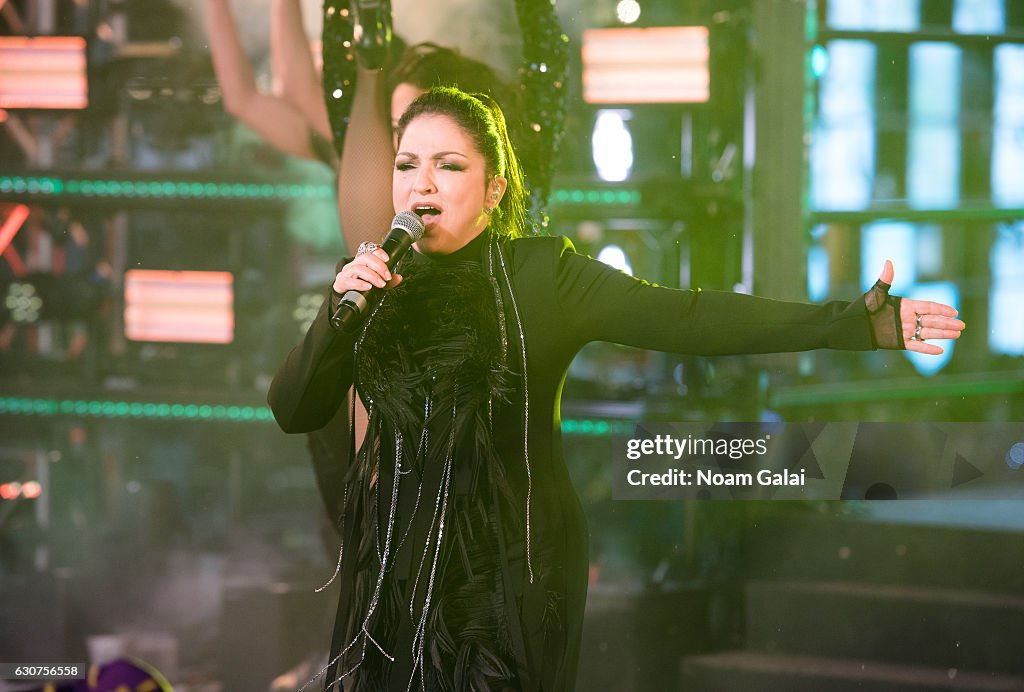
(464, 557)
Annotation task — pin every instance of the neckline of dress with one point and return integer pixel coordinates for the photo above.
(473, 251)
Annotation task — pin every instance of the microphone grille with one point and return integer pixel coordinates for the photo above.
(410, 222)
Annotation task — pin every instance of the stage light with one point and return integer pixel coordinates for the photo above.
(615, 256)
(179, 306)
(24, 302)
(49, 187)
(627, 11)
(1015, 457)
(612, 145)
(43, 72)
(11, 226)
(653, 65)
(133, 409)
(214, 413)
(618, 196)
(819, 61)
(31, 490)
(10, 491)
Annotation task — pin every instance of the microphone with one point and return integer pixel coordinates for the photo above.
(406, 229)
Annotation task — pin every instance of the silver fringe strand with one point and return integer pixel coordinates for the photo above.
(526, 402)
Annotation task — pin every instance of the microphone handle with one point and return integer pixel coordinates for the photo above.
(355, 304)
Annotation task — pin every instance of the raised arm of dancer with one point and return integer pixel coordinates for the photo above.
(271, 117)
(364, 178)
(295, 76)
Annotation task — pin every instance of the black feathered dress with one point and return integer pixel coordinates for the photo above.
(464, 547)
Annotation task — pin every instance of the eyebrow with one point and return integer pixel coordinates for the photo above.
(438, 155)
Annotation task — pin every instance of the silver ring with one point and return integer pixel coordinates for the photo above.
(919, 326)
(365, 247)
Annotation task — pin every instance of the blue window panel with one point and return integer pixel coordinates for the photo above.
(1006, 295)
(933, 167)
(979, 16)
(933, 175)
(1006, 319)
(843, 145)
(1008, 127)
(817, 273)
(929, 250)
(890, 240)
(880, 15)
(939, 292)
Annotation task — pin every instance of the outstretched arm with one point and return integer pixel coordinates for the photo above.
(271, 117)
(295, 76)
(364, 179)
(599, 303)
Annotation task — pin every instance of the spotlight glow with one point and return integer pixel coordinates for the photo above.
(23, 302)
(615, 256)
(627, 11)
(612, 145)
(819, 61)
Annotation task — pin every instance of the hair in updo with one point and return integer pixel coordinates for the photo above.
(481, 118)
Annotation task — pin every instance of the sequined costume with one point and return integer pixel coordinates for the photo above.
(541, 83)
(464, 562)
(339, 67)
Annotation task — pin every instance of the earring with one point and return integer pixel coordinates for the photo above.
(494, 198)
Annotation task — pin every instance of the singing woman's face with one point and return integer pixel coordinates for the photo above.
(440, 175)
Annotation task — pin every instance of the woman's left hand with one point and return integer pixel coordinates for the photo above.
(923, 321)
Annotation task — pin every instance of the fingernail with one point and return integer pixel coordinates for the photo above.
(387, 275)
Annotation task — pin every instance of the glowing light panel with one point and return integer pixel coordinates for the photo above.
(179, 306)
(43, 72)
(653, 65)
(612, 145)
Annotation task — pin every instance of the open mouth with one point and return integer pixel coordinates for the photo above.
(427, 212)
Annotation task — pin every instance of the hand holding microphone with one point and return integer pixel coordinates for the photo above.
(361, 282)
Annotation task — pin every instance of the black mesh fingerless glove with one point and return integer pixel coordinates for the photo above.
(884, 313)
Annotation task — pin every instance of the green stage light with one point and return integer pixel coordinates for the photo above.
(245, 413)
(199, 189)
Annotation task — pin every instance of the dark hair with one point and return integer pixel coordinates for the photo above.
(428, 65)
(481, 118)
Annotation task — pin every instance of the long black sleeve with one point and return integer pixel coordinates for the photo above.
(599, 303)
